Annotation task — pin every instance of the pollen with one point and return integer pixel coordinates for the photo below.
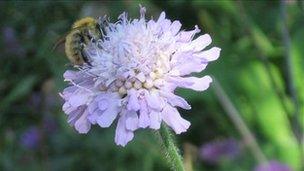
(122, 90)
(137, 84)
(148, 83)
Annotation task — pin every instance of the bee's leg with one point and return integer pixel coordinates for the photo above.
(69, 65)
(91, 36)
(85, 54)
(83, 45)
(99, 44)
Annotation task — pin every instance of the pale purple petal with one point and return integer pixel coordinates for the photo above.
(76, 77)
(197, 84)
(209, 55)
(67, 92)
(133, 103)
(190, 67)
(67, 108)
(154, 100)
(103, 104)
(175, 100)
(162, 16)
(74, 115)
(93, 106)
(70, 75)
(131, 120)
(172, 117)
(172, 82)
(165, 25)
(186, 63)
(201, 42)
(122, 135)
(82, 125)
(186, 36)
(151, 25)
(196, 45)
(108, 116)
(144, 120)
(78, 99)
(104, 109)
(175, 27)
(155, 119)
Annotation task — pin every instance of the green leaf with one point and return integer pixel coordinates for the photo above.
(23, 87)
(270, 116)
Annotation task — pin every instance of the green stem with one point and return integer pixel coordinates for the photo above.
(238, 122)
(297, 128)
(171, 151)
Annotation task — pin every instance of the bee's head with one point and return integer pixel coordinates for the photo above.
(85, 22)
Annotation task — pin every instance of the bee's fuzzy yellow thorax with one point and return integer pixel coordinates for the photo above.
(84, 22)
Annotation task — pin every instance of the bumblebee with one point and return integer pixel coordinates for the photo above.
(82, 33)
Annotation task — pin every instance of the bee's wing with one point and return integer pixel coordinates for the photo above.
(59, 42)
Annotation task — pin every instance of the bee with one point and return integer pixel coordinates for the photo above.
(82, 33)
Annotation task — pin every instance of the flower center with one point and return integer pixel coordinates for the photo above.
(153, 80)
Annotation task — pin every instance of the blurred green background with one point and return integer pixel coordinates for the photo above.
(261, 69)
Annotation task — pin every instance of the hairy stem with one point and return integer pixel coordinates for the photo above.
(171, 151)
(238, 122)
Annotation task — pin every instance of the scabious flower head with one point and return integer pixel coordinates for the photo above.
(133, 72)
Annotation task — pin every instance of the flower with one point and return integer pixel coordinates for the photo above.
(30, 138)
(272, 166)
(132, 74)
(215, 151)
